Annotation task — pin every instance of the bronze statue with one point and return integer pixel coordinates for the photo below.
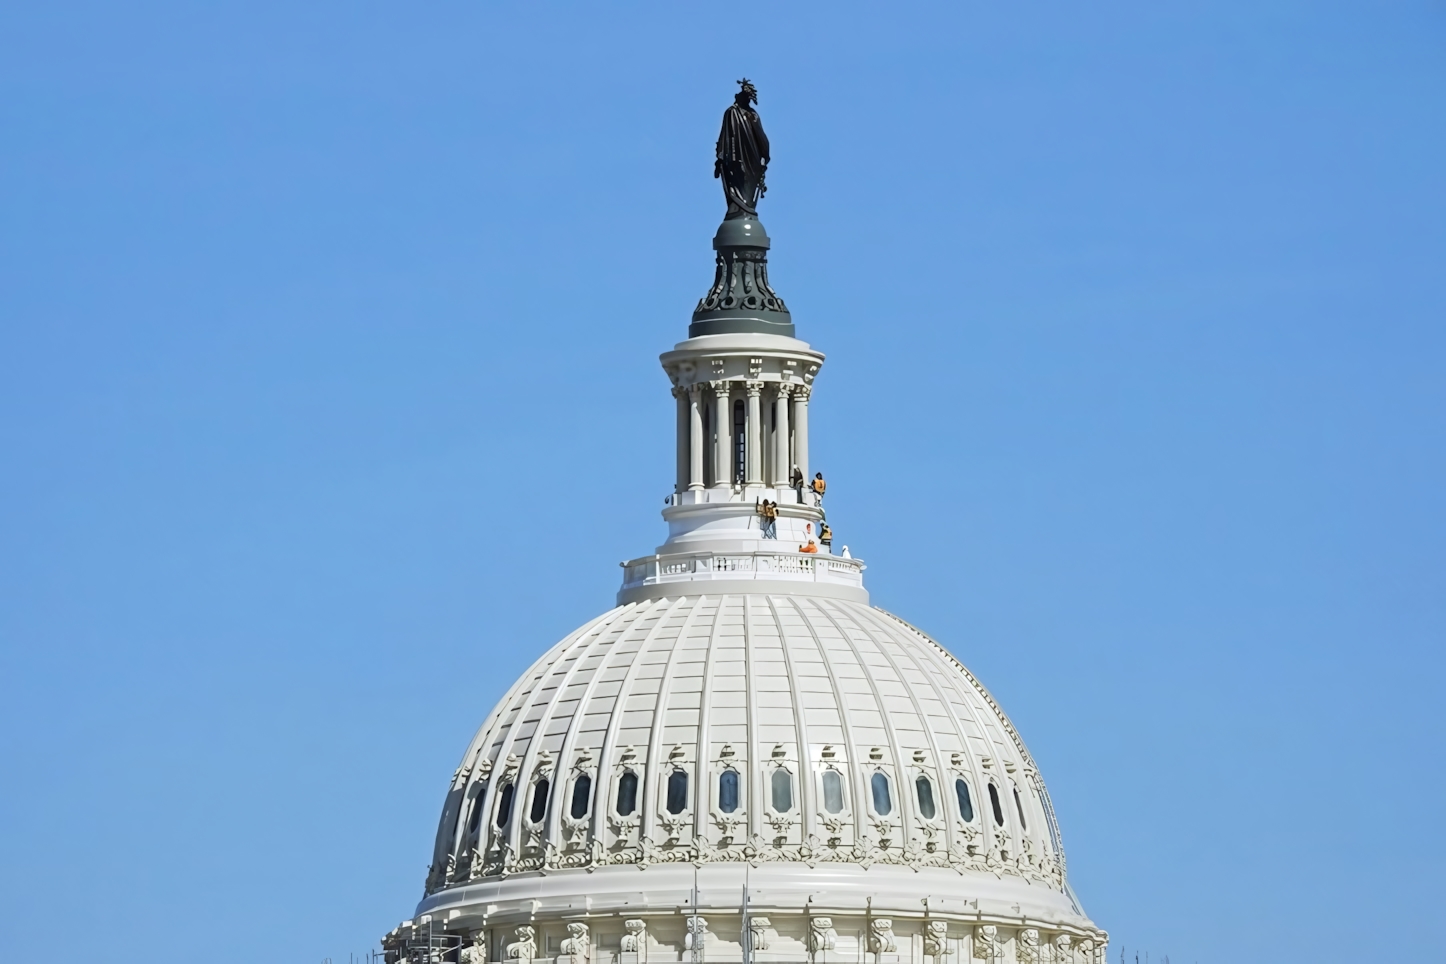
(742, 154)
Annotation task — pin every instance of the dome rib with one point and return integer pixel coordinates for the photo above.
(702, 793)
(803, 747)
(750, 703)
(653, 763)
(850, 751)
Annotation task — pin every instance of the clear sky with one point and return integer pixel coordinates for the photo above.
(329, 399)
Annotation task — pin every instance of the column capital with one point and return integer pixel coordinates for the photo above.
(802, 392)
(785, 389)
(721, 387)
(755, 389)
(680, 391)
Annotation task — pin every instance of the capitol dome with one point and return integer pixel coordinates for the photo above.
(744, 761)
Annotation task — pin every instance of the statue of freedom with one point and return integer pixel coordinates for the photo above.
(742, 154)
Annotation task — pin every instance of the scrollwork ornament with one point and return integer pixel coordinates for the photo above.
(936, 939)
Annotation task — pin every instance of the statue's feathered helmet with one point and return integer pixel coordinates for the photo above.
(746, 88)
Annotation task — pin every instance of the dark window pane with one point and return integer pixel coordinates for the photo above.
(883, 806)
(581, 792)
(728, 791)
(539, 801)
(677, 792)
(832, 791)
(782, 790)
(966, 805)
(994, 805)
(926, 798)
(1019, 807)
(474, 820)
(627, 794)
(504, 806)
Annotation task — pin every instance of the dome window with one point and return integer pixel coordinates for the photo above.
(504, 806)
(832, 791)
(1019, 808)
(627, 794)
(883, 804)
(966, 805)
(678, 791)
(782, 790)
(994, 805)
(539, 801)
(926, 797)
(474, 819)
(581, 792)
(728, 791)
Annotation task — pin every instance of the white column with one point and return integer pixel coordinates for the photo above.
(800, 430)
(781, 463)
(695, 438)
(754, 447)
(723, 435)
(684, 438)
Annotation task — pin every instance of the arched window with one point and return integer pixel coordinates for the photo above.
(474, 819)
(677, 792)
(539, 801)
(504, 806)
(728, 791)
(883, 805)
(994, 805)
(832, 791)
(1019, 808)
(926, 797)
(966, 805)
(782, 790)
(627, 794)
(581, 793)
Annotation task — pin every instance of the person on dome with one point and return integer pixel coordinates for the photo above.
(769, 512)
(819, 486)
(795, 482)
(810, 545)
(825, 536)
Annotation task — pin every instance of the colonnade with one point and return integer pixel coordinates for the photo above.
(708, 453)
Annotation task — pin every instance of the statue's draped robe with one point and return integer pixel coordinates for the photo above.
(742, 160)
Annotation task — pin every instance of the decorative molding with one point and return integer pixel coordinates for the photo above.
(821, 935)
(577, 945)
(986, 942)
(881, 936)
(475, 952)
(525, 947)
(740, 282)
(936, 938)
(636, 938)
(1026, 950)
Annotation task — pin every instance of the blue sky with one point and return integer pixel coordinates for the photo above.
(329, 399)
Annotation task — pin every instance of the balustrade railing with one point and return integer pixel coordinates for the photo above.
(692, 566)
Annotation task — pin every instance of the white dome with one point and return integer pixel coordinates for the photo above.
(795, 683)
